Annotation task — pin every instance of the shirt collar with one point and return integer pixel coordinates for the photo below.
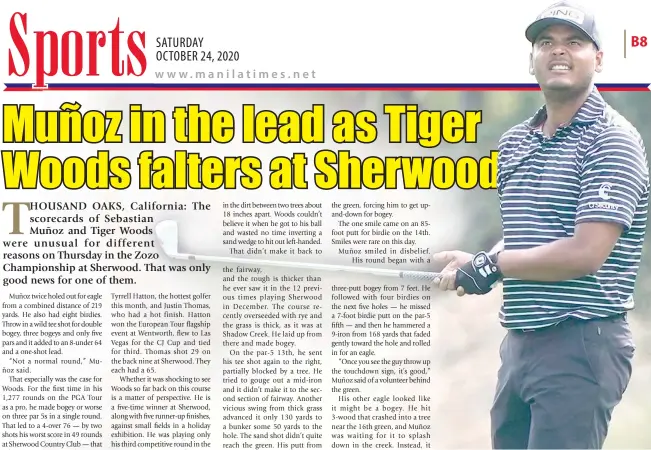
(591, 110)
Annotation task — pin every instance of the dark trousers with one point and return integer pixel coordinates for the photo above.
(557, 387)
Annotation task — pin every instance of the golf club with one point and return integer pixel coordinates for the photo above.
(167, 233)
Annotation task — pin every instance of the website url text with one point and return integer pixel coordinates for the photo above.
(234, 74)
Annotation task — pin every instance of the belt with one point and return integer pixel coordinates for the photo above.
(571, 320)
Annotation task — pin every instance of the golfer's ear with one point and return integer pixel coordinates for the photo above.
(599, 62)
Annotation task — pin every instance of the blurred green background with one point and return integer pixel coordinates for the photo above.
(469, 334)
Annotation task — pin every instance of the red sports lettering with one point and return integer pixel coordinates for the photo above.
(137, 53)
(96, 40)
(41, 52)
(73, 53)
(21, 46)
(78, 44)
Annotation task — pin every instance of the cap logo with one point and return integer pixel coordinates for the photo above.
(564, 12)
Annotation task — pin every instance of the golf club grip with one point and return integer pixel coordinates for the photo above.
(424, 276)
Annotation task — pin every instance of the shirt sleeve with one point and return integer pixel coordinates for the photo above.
(614, 177)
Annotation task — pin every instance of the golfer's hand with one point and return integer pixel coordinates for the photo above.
(453, 260)
(479, 275)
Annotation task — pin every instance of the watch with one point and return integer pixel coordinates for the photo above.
(495, 258)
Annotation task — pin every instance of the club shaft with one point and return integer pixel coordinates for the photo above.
(412, 274)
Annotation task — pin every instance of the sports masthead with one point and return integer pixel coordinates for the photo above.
(40, 55)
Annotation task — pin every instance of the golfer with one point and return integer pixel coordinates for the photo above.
(573, 187)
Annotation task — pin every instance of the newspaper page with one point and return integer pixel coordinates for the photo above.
(224, 224)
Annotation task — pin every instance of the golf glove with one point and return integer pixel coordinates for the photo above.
(479, 275)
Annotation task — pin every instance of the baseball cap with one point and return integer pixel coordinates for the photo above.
(565, 13)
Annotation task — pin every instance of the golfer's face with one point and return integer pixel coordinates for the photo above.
(564, 58)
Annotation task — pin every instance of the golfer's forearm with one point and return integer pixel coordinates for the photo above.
(561, 260)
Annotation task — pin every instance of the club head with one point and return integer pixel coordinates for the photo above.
(167, 233)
